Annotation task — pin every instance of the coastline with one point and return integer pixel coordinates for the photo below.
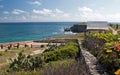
(29, 43)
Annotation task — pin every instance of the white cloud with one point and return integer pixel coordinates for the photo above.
(102, 8)
(43, 11)
(82, 14)
(3, 18)
(113, 17)
(67, 15)
(24, 18)
(38, 3)
(1, 6)
(5, 12)
(51, 13)
(89, 14)
(18, 11)
(85, 9)
(58, 11)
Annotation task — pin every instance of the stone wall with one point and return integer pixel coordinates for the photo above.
(52, 40)
(89, 63)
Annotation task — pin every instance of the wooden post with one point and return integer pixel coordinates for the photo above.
(25, 45)
(31, 46)
(10, 46)
(1, 46)
(18, 45)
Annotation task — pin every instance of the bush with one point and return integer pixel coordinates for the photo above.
(108, 37)
(56, 64)
(69, 69)
(30, 63)
(67, 51)
(2, 53)
(108, 54)
(66, 67)
(22, 62)
(34, 72)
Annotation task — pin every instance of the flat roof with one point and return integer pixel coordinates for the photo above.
(97, 25)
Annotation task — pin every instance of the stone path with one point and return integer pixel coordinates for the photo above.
(113, 31)
(2, 50)
(37, 52)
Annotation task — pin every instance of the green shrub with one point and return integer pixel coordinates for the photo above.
(67, 51)
(56, 64)
(108, 54)
(27, 73)
(33, 72)
(66, 67)
(30, 63)
(108, 37)
(22, 62)
(2, 53)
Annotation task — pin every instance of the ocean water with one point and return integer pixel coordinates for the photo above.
(11, 32)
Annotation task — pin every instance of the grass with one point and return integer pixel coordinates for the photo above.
(60, 67)
(4, 55)
(12, 53)
(56, 64)
(75, 36)
(38, 72)
(63, 67)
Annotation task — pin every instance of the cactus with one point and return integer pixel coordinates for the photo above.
(22, 62)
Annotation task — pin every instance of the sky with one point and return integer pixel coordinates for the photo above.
(59, 10)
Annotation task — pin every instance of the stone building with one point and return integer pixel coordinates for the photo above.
(90, 26)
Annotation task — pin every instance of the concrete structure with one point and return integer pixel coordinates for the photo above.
(97, 25)
(90, 26)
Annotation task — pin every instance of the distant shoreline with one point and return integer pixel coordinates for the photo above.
(36, 22)
(55, 22)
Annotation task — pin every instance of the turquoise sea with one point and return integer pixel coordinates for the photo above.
(11, 32)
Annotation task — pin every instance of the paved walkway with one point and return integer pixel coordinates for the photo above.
(113, 31)
(37, 52)
(2, 49)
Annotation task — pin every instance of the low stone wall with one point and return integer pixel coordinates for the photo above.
(52, 40)
(89, 63)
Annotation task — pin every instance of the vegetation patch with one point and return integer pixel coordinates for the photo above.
(55, 59)
(68, 51)
(107, 53)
